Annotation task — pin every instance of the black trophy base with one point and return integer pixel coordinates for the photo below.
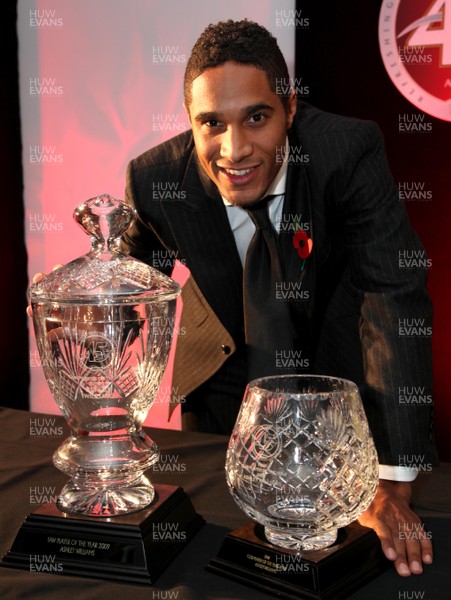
(133, 548)
(333, 573)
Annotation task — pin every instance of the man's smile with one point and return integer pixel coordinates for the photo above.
(239, 176)
(237, 172)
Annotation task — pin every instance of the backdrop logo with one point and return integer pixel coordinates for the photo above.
(415, 44)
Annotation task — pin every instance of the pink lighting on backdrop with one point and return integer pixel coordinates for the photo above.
(100, 82)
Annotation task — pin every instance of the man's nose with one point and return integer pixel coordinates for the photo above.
(235, 145)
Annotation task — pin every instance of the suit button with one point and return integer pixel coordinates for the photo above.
(225, 349)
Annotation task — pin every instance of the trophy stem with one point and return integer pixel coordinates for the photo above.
(106, 501)
(293, 538)
(107, 473)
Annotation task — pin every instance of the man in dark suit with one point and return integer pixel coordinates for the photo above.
(341, 227)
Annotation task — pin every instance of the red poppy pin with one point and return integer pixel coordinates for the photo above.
(303, 244)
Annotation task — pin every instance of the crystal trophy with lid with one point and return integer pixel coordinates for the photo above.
(104, 324)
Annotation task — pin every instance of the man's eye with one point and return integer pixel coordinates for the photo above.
(257, 118)
(212, 123)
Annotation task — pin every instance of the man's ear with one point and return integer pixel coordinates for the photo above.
(291, 108)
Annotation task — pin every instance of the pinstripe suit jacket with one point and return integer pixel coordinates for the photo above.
(360, 301)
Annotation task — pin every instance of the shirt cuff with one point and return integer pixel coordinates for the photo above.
(394, 473)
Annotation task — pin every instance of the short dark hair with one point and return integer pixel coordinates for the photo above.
(244, 42)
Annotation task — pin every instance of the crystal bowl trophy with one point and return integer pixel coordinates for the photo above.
(104, 324)
(302, 464)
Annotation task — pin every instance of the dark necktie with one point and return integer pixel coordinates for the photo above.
(267, 323)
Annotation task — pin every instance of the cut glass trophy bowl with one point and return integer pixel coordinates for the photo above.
(104, 325)
(301, 459)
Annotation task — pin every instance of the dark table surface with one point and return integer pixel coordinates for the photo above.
(194, 462)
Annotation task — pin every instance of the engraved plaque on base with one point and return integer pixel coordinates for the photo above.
(131, 548)
(331, 573)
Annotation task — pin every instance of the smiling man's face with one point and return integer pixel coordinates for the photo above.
(239, 127)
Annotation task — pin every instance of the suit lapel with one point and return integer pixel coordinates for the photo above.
(201, 228)
(300, 273)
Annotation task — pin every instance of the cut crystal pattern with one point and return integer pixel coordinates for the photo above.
(93, 275)
(296, 461)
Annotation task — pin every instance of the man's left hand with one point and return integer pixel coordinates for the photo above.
(401, 532)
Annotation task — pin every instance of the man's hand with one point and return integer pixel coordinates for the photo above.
(402, 534)
(37, 277)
